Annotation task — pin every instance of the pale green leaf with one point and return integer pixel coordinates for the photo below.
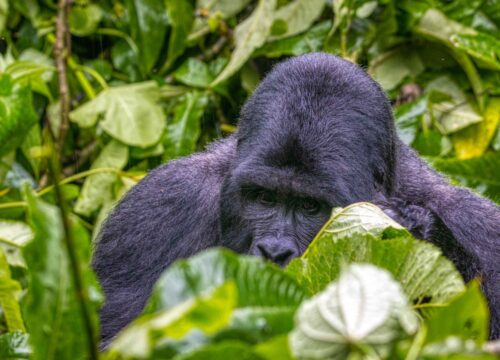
(249, 35)
(393, 68)
(298, 16)
(97, 187)
(130, 113)
(365, 306)
(14, 235)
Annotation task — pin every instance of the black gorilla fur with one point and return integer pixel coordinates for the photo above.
(317, 132)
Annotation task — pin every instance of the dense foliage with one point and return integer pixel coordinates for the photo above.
(153, 80)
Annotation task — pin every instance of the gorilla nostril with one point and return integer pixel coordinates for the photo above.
(277, 254)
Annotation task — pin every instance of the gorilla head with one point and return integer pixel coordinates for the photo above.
(317, 133)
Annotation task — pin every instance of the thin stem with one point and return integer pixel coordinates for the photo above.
(81, 292)
(62, 48)
(78, 176)
(13, 204)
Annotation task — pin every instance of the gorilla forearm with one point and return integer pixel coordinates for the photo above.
(467, 226)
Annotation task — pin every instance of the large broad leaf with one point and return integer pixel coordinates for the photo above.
(148, 23)
(17, 115)
(474, 140)
(207, 313)
(365, 309)
(248, 36)
(296, 17)
(52, 308)
(9, 291)
(97, 187)
(465, 317)
(184, 130)
(14, 235)
(256, 299)
(363, 233)
(181, 16)
(130, 113)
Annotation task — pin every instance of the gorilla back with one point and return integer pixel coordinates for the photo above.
(317, 133)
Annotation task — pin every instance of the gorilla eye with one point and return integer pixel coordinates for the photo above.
(267, 198)
(311, 206)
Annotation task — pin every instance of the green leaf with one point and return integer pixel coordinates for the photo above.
(130, 113)
(148, 22)
(483, 169)
(266, 297)
(14, 235)
(365, 309)
(17, 115)
(480, 46)
(180, 14)
(465, 317)
(454, 114)
(223, 350)
(394, 67)
(9, 292)
(365, 234)
(51, 307)
(255, 300)
(436, 25)
(84, 20)
(310, 41)
(4, 10)
(248, 36)
(183, 130)
(97, 188)
(208, 313)
(14, 346)
(194, 72)
(408, 117)
(474, 140)
(298, 16)
(221, 8)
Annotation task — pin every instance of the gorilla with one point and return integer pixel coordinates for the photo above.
(317, 133)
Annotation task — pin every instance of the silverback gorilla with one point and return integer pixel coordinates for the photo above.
(317, 133)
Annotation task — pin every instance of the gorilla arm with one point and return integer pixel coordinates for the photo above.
(170, 214)
(472, 221)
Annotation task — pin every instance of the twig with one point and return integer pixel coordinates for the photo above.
(62, 49)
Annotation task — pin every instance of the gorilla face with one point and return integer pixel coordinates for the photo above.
(282, 222)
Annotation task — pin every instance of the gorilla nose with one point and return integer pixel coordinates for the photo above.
(275, 251)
